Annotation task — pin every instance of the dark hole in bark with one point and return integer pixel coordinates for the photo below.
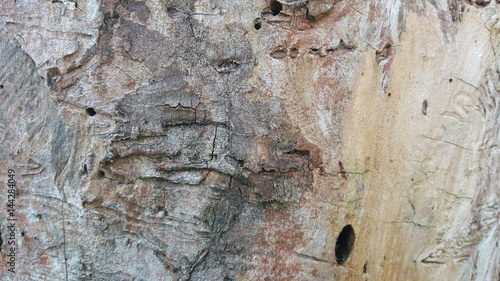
(101, 174)
(39, 216)
(1, 86)
(483, 2)
(172, 11)
(305, 153)
(257, 23)
(345, 244)
(85, 170)
(22, 233)
(424, 107)
(279, 54)
(451, 80)
(90, 111)
(389, 94)
(52, 75)
(275, 7)
(365, 267)
(1, 241)
(111, 19)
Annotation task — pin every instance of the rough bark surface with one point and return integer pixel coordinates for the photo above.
(251, 140)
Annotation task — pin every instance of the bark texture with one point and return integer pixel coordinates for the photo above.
(251, 139)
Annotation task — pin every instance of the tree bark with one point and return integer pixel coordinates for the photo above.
(250, 140)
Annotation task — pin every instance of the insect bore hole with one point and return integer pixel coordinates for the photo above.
(257, 23)
(275, 7)
(101, 174)
(345, 244)
(90, 111)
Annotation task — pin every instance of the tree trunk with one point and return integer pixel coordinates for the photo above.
(250, 140)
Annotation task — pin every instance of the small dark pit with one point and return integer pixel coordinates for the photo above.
(345, 244)
(257, 23)
(275, 7)
(101, 174)
(90, 111)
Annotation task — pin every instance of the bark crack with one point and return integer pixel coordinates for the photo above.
(455, 195)
(414, 223)
(214, 143)
(312, 258)
(448, 142)
(64, 242)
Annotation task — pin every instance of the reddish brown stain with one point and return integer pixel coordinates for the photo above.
(43, 260)
(314, 272)
(280, 235)
(342, 172)
(131, 85)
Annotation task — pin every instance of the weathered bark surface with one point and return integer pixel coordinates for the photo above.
(234, 140)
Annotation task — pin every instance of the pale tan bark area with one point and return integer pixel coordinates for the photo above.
(420, 204)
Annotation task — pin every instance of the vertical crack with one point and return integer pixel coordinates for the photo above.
(64, 242)
(213, 143)
(199, 260)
